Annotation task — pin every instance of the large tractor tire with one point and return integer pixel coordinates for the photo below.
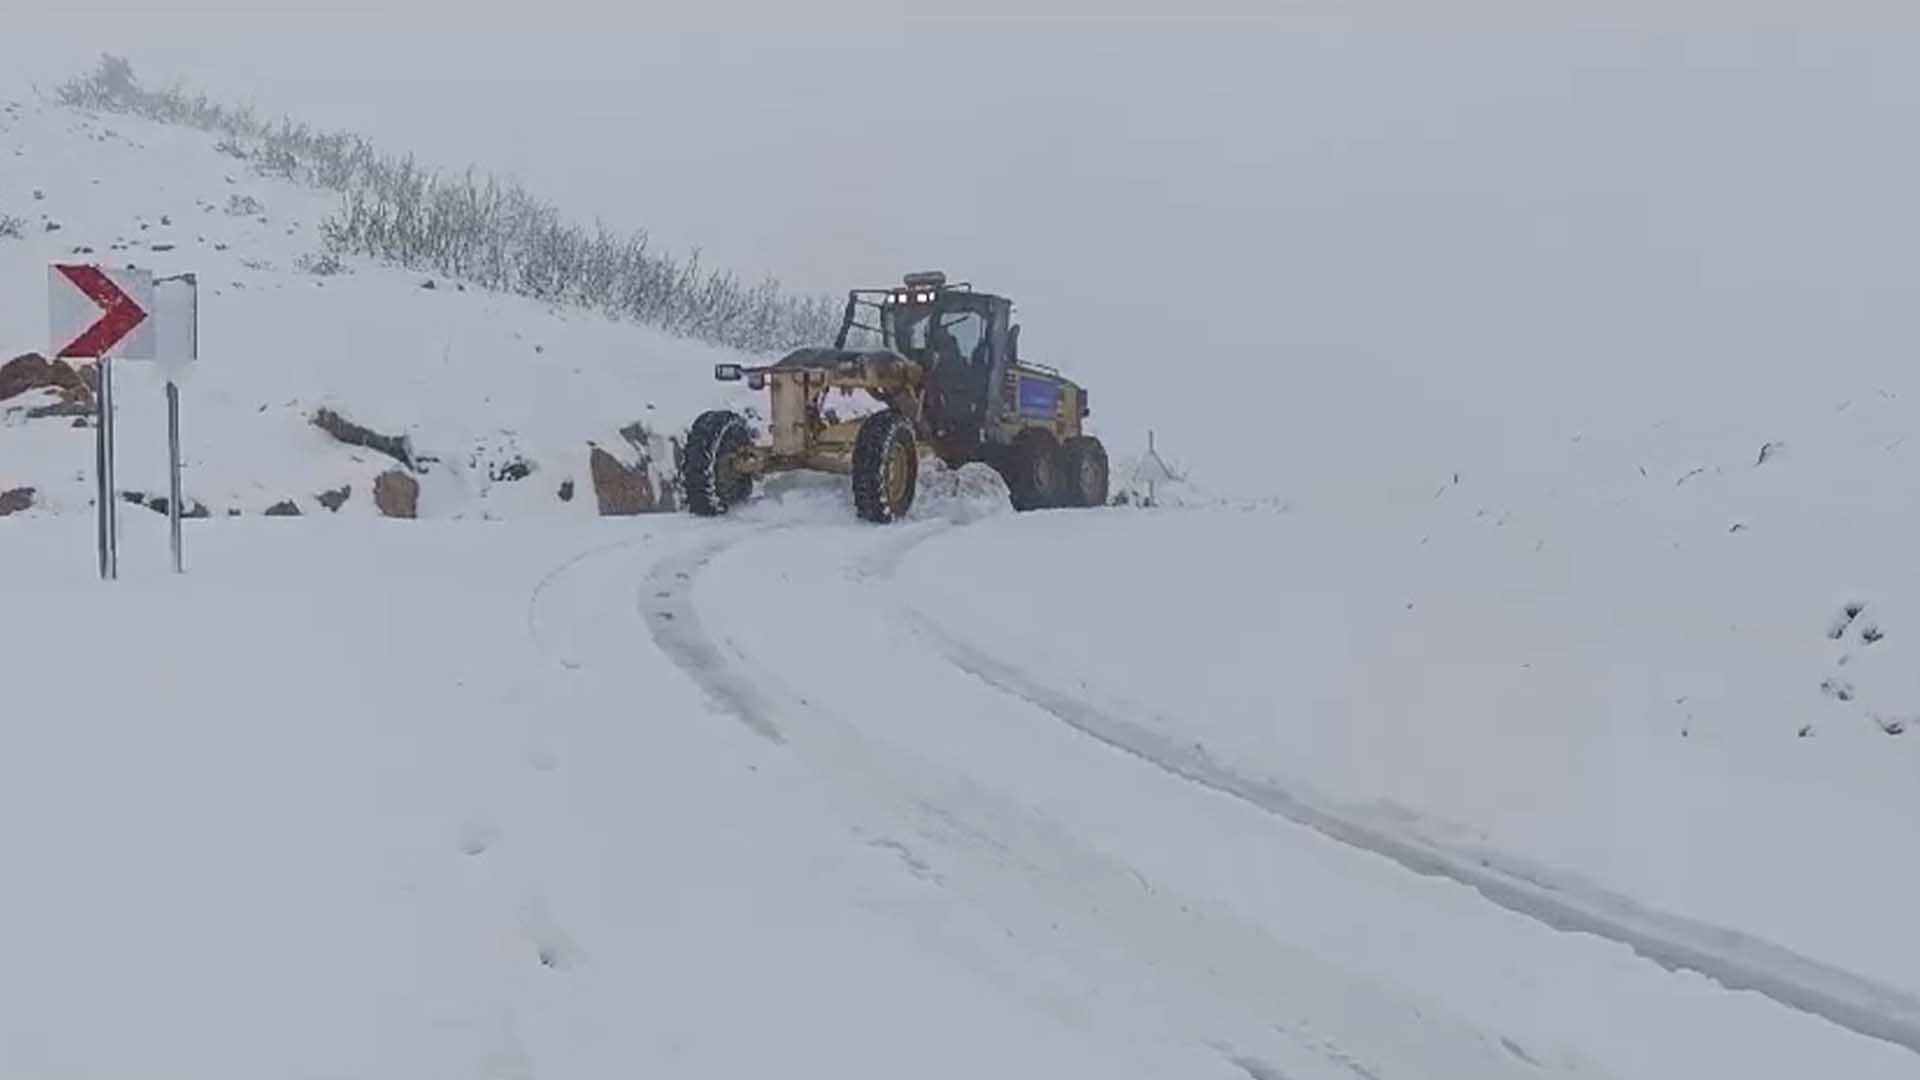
(1084, 472)
(1032, 469)
(714, 442)
(886, 467)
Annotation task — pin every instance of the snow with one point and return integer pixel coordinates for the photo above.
(1569, 700)
(516, 792)
(475, 379)
(432, 808)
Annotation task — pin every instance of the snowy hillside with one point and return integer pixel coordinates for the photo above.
(484, 385)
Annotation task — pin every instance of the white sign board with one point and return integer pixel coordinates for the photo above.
(176, 319)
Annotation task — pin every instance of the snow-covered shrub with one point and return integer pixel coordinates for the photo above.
(11, 227)
(320, 264)
(479, 228)
(244, 206)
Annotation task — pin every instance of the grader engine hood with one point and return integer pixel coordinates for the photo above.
(831, 368)
(880, 365)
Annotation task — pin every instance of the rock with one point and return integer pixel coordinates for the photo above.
(159, 504)
(397, 447)
(284, 508)
(32, 371)
(194, 508)
(335, 499)
(621, 489)
(61, 408)
(16, 500)
(396, 494)
(517, 469)
(566, 490)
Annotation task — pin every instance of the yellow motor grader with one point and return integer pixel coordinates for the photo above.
(944, 362)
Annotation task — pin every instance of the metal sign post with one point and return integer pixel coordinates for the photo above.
(173, 473)
(109, 490)
(102, 493)
(177, 310)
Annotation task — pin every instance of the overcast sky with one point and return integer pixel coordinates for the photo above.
(1335, 226)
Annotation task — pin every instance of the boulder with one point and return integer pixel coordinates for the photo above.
(621, 489)
(335, 499)
(396, 494)
(35, 372)
(397, 447)
(566, 490)
(16, 500)
(284, 508)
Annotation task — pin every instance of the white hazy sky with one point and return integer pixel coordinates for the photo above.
(1318, 223)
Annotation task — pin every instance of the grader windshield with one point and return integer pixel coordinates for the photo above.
(932, 323)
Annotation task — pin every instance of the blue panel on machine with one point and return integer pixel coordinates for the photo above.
(1039, 397)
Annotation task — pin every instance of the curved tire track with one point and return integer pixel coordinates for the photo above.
(1735, 960)
(1009, 846)
(667, 606)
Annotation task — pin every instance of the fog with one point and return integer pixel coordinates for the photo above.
(1306, 253)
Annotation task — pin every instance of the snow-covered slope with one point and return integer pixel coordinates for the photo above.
(476, 380)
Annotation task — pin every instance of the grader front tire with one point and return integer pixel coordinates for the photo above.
(886, 467)
(714, 485)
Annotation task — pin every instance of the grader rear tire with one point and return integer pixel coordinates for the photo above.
(886, 467)
(1032, 469)
(1084, 472)
(713, 484)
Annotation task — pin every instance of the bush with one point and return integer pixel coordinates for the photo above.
(320, 264)
(11, 227)
(479, 228)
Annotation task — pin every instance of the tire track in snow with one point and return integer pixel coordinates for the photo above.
(1008, 847)
(1735, 960)
(552, 577)
(667, 606)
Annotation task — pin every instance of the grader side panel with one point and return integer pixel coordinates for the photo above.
(789, 424)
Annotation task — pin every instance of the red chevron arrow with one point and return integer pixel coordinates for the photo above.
(120, 313)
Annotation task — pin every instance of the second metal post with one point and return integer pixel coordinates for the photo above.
(173, 471)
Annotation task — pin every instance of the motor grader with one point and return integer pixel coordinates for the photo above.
(943, 361)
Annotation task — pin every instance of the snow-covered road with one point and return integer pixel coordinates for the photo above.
(777, 793)
(1267, 905)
